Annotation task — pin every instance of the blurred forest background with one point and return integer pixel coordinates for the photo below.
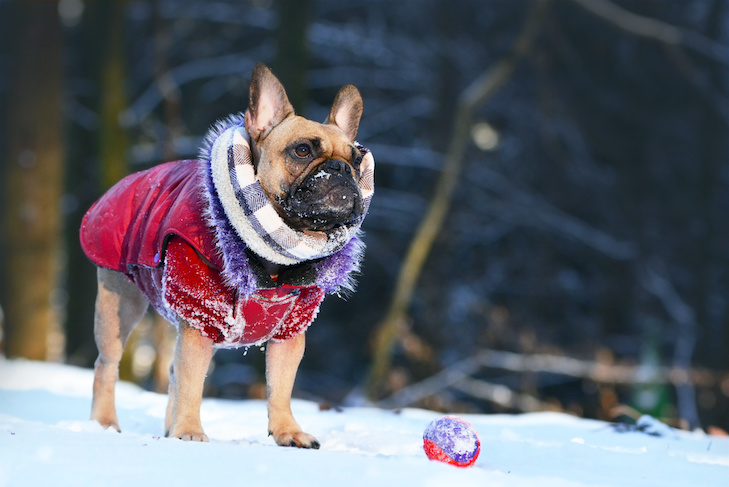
(549, 228)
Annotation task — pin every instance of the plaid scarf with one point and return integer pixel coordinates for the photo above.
(251, 214)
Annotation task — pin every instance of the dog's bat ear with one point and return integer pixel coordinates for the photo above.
(268, 106)
(347, 110)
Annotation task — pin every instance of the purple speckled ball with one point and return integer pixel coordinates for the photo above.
(451, 440)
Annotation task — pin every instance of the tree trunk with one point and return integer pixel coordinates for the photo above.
(291, 55)
(711, 163)
(34, 178)
(96, 165)
(166, 85)
(113, 140)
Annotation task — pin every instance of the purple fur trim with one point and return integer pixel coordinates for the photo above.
(333, 273)
(237, 271)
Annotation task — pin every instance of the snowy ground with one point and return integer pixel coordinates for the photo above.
(46, 440)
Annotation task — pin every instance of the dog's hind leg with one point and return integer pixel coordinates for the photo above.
(119, 307)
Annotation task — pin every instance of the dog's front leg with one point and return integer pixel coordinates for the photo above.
(192, 359)
(282, 362)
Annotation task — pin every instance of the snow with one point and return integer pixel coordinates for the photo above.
(321, 174)
(46, 439)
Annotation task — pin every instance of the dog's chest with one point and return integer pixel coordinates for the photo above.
(197, 293)
(281, 313)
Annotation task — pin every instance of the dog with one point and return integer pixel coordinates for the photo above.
(236, 248)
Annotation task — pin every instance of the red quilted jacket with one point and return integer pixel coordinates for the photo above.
(151, 226)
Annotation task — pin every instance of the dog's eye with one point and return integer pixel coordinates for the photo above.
(302, 150)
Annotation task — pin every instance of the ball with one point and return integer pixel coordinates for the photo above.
(451, 440)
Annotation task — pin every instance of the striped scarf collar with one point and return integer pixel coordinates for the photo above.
(244, 218)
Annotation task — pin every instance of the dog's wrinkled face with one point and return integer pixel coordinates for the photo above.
(308, 170)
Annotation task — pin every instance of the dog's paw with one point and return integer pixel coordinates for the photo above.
(188, 435)
(107, 423)
(114, 426)
(194, 437)
(298, 439)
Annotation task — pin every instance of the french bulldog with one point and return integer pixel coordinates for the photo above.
(310, 174)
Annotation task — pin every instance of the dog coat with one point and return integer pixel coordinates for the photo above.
(189, 233)
(150, 226)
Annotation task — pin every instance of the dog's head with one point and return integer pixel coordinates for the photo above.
(308, 170)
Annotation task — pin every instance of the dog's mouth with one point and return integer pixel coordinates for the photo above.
(326, 199)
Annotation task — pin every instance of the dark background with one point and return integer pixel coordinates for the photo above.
(589, 219)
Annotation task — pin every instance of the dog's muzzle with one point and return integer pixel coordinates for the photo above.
(328, 197)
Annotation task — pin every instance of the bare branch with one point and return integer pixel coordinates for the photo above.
(656, 30)
(151, 97)
(656, 281)
(472, 98)
(501, 395)
(596, 371)
(531, 210)
(671, 36)
(458, 376)
(433, 384)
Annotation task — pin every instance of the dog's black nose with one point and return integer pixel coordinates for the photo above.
(339, 166)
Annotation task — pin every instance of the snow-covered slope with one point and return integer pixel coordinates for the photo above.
(47, 440)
